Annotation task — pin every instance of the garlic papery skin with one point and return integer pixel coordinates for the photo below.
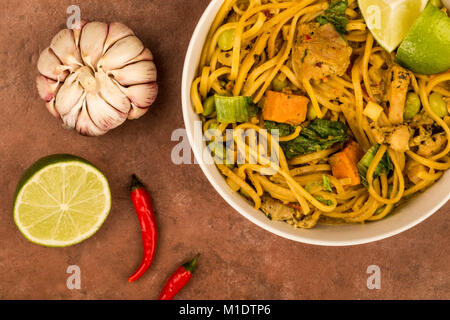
(50, 66)
(92, 42)
(96, 77)
(63, 45)
(68, 95)
(116, 32)
(102, 114)
(145, 55)
(70, 119)
(142, 95)
(136, 112)
(47, 88)
(136, 73)
(77, 32)
(121, 53)
(86, 126)
(51, 108)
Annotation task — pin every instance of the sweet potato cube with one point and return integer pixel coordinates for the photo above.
(344, 163)
(285, 108)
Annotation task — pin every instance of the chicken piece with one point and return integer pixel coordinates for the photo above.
(319, 51)
(399, 139)
(396, 136)
(376, 75)
(413, 170)
(332, 92)
(432, 145)
(422, 119)
(275, 210)
(400, 80)
(379, 78)
(422, 134)
(380, 133)
(307, 222)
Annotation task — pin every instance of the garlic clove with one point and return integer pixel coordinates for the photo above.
(85, 125)
(111, 93)
(63, 45)
(77, 32)
(104, 116)
(92, 39)
(86, 79)
(47, 88)
(136, 112)
(51, 108)
(70, 118)
(121, 53)
(116, 32)
(68, 95)
(50, 66)
(142, 95)
(136, 73)
(145, 55)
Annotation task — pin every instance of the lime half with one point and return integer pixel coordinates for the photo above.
(61, 200)
(390, 20)
(426, 49)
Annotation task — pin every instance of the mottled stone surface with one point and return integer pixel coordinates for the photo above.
(239, 260)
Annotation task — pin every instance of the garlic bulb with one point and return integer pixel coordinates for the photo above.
(97, 77)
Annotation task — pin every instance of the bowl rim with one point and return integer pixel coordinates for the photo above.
(266, 225)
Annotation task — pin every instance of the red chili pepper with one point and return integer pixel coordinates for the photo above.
(307, 37)
(178, 280)
(294, 206)
(267, 14)
(146, 215)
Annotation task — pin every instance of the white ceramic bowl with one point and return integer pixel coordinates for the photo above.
(417, 210)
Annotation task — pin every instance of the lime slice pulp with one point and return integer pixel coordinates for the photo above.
(390, 20)
(426, 49)
(61, 200)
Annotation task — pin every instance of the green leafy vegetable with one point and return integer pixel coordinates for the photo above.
(311, 184)
(279, 85)
(234, 109)
(384, 167)
(335, 14)
(213, 125)
(284, 129)
(220, 154)
(209, 106)
(253, 110)
(323, 200)
(326, 183)
(318, 135)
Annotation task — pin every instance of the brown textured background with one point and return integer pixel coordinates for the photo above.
(239, 260)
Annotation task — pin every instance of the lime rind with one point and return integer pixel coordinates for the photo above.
(426, 48)
(32, 176)
(390, 21)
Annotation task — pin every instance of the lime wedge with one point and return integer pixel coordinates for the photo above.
(61, 200)
(426, 49)
(390, 20)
